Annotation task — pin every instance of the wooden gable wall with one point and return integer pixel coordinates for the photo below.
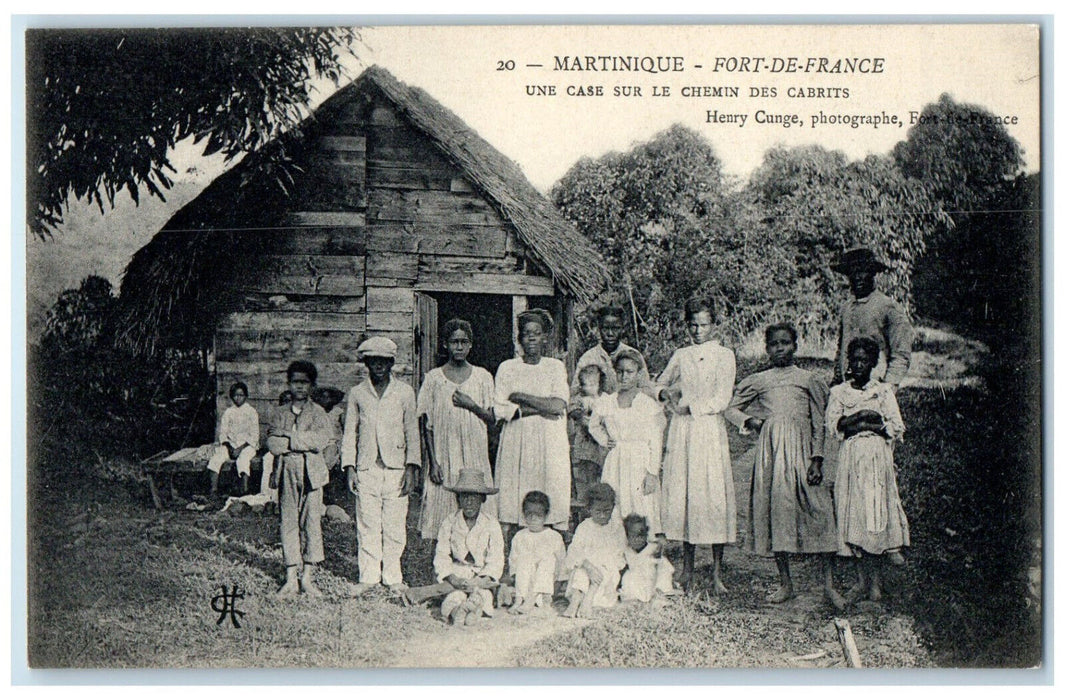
(377, 216)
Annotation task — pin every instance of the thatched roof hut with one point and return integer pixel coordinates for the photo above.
(382, 213)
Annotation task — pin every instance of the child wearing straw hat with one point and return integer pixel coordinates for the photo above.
(469, 555)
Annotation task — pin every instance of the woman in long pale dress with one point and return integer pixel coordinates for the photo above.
(790, 506)
(454, 406)
(531, 396)
(864, 414)
(698, 495)
(631, 424)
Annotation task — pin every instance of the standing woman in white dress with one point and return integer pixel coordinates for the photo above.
(531, 396)
(454, 408)
(698, 494)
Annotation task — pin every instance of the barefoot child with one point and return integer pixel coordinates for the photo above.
(698, 495)
(536, 555)
(790, 508)
(863, 413)
(586, 454)
(629, 425)
(596, 557)
(381, 455)
(299, 434)
(238, 437)
(469, 555)
(648, 574)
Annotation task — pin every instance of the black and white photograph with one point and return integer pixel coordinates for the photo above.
(548, 346)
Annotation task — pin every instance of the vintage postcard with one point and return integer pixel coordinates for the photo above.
(561, 346)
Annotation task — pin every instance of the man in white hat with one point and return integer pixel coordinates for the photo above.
(381, 455)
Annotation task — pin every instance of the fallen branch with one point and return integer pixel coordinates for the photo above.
(846, 640)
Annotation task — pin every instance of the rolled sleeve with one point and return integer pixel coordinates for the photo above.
(349, 444)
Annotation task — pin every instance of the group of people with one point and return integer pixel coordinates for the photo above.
(631, 462)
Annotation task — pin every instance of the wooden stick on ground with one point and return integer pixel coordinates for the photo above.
(846, 640)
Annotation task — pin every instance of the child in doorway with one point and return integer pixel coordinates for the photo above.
(863, 413)
(536, 555)
(648, 574)
(596, 557)
(586, 454)
(238, 437)
(790, 506)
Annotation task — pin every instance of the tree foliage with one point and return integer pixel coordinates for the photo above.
(961, 152)
(105, 107)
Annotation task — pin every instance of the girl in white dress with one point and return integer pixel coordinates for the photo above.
(454, 408)
(698, 494)
(531, 396)
(630, 425)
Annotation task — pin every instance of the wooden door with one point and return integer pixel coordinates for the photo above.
(426, 337)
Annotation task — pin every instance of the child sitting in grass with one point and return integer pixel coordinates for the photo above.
(596, 556)
(238, 437)
(536, 554)
(469, 555)
(648, 574)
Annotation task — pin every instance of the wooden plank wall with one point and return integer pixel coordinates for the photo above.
(379, 215)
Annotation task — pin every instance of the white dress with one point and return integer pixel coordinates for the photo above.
(533, 451)
(698, 494)
(460, 441)
(638, 432)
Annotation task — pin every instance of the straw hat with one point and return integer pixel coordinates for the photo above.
(858, 259)
(472, 481)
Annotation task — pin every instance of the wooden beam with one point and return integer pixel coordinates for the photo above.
(485, 283)
(307, 303)
(428, 206)
(350, 219)
(846, 640)
(292, 320)
(277, 345)
(389, 299)
(343, 143)
(438, 239)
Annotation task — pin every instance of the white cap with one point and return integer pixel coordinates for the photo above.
(378, 346)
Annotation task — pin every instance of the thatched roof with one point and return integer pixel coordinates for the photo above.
(184, 263)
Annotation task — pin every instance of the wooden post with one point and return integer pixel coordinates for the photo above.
(519, 303)
(846, 640)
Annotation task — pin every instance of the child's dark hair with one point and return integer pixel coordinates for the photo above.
(327, 397)
(632, 520)
(547, 324)
(536, 498)
(628, 354)
(697, 305)
(238, 385)
(285, 397)
(785, 327)
(593, 369)
(457, 324)
(865, 343)
(610, 311)
(601, 493)
(303, 367)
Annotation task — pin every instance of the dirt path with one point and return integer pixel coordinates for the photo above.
(494, 643)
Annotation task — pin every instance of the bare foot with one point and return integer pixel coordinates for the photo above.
(526, 606)
(357, 589)
(779, 595)
(290, 589)
(473, 617)
(684, 581)
(518, 607)
(717, 587)
(833, 597)
(309, 589)
(586, 611)
(459, 614)
(895, 558)
(855, 593)
(574, 604)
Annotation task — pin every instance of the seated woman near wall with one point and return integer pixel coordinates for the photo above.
(531, 396)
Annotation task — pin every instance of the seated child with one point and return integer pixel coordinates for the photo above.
(284, 399)
(469, 556)
(596, 556)
(648, 575)
(536, 554)
(586, 455)
(238, 437)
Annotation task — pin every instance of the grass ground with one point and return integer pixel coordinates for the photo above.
(114, 583)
